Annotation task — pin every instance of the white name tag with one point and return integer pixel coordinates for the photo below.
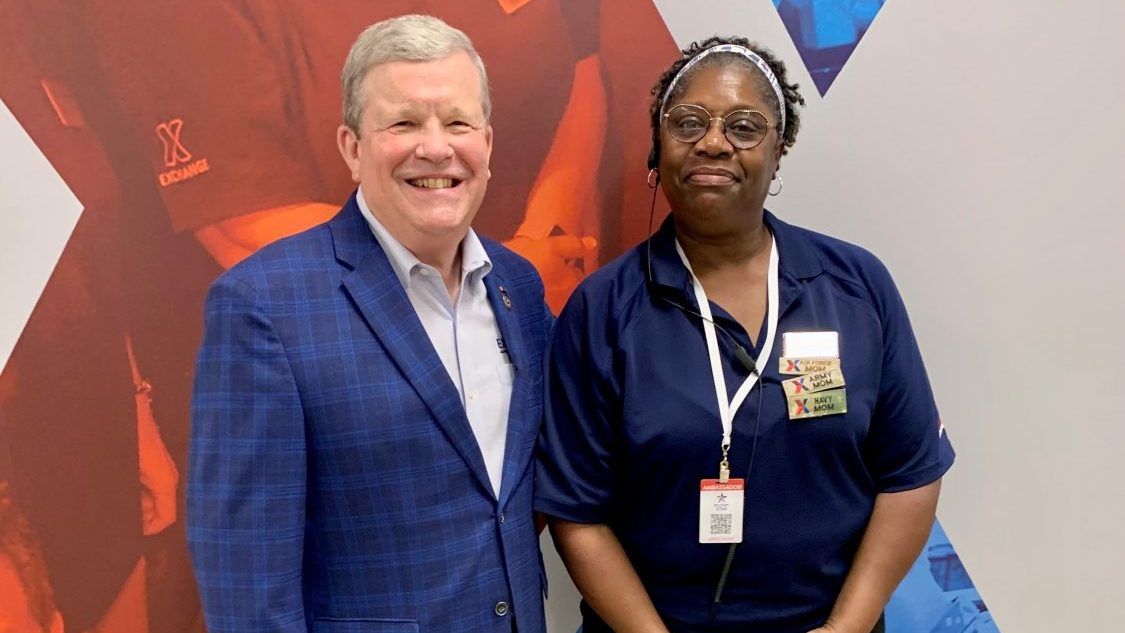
(720, 510)
(810, 344)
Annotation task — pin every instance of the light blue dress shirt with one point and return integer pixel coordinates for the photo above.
(464, 334)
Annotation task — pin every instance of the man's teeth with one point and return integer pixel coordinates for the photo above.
(432, 183)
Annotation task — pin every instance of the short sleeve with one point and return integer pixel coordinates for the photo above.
(574, 470)
(210, 93)
(907, 446)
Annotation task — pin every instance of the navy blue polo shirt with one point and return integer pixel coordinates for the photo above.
(632, 427)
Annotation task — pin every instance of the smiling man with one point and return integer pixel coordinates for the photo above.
(367, 393)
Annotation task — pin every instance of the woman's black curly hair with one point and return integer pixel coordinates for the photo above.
(793, 98)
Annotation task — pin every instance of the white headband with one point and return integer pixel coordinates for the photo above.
(738, 50)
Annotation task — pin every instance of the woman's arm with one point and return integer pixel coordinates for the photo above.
(899, 526)
(605, 577)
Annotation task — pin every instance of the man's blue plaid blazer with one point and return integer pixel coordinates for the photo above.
(335, 484)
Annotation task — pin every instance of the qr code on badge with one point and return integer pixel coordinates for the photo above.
(721, 524)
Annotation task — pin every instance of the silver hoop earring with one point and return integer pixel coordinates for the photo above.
(780, 184)
(653, 178)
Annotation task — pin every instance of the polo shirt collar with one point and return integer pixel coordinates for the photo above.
(797, 258)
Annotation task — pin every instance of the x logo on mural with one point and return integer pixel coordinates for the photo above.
(169, 134)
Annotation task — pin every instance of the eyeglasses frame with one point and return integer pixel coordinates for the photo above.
(711, 119)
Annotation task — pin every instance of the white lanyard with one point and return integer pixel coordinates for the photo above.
(728, 411)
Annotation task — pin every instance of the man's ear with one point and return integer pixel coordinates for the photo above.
(348, 143)
(488, 139)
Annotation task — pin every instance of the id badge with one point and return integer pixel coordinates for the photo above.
(720, 510)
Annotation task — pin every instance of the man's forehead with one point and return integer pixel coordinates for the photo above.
(455, 70)
(427, 93)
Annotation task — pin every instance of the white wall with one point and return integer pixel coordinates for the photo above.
(976, 147)
(37, 214)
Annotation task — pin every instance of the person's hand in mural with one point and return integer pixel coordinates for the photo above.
(559, 260)
(159, 476)
(560, 227)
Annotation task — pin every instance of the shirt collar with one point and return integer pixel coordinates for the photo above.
(797, 257)
(473, 256)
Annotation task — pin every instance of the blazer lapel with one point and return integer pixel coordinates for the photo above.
(516, 447)
(381, 299)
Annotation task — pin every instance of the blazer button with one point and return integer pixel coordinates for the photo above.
(501, 518)
(501, 608)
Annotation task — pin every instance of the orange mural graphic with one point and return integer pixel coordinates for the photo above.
(511, 6)
(94, 399)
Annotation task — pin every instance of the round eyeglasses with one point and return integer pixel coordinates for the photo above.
(744, 129)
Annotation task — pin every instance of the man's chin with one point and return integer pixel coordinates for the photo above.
(444, 223)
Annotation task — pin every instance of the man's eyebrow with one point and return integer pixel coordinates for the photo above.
(457, 112)
(405, 109)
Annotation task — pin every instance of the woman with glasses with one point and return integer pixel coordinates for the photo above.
(740, 434)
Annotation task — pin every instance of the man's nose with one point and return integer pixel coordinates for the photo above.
(433, 143)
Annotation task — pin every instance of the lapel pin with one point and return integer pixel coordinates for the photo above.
(504, 297)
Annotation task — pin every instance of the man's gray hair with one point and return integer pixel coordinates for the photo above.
(416, 38)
